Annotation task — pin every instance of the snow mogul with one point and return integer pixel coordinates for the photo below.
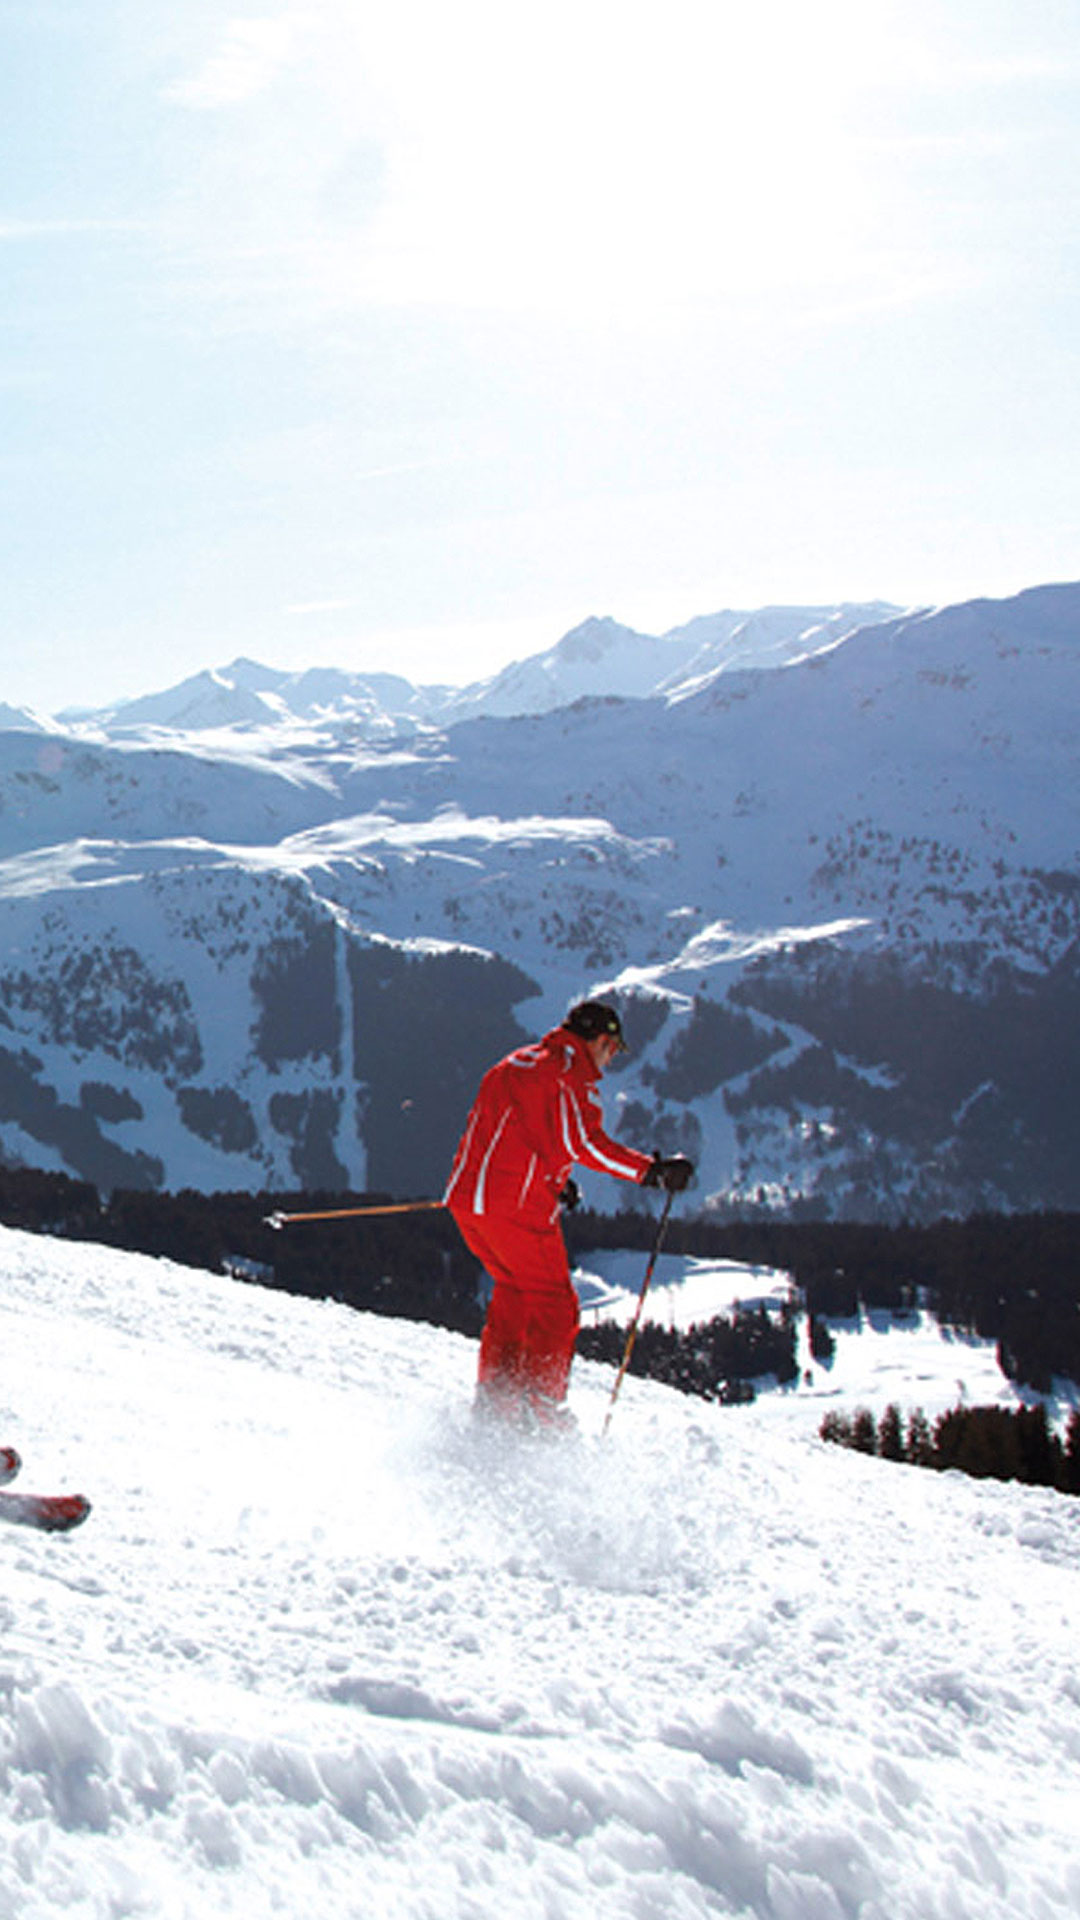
(535, 1116)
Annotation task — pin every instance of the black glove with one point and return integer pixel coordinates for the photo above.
(673, 1173)
(570, 1197)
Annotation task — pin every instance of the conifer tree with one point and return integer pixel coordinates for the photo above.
(822, 1344)
(1040, 1450)
(919, 1446)
(890, 1434)
(836, 1427)
(1070, 1471)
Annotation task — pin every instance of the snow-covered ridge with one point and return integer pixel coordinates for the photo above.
(594, 660)
(791, 875)
(320, 1648)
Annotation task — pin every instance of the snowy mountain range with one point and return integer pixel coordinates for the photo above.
(596, 659)
(267, 929)
(325, 1649)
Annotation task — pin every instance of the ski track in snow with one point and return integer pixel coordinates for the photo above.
(323, 1648)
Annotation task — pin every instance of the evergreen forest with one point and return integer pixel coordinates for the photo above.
(989, 1443)
(1014, 1278)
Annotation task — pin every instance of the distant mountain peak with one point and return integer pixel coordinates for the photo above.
(20, 720)
(598, 658)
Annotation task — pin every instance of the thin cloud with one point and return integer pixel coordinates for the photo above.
(1018, 68)
(250, 58)
(14, 230)
(323, 606)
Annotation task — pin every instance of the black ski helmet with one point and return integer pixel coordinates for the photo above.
(591, 1018)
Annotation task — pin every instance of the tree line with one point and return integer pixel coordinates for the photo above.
(1011, 1278)
(408, 1267)
(990, 1443)
(717, 1359)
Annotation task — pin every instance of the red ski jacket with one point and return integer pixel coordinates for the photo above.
(535, 1116)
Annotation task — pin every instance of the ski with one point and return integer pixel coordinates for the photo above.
(48, 1512)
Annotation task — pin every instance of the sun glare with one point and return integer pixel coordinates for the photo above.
(606, 155)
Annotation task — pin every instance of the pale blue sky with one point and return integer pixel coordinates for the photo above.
(407, 335)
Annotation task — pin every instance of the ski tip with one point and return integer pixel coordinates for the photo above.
(275, 1220)
(46, 1512)
(10, 1464)
(63, 1511)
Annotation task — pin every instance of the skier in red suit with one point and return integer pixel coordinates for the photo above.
(535, 1116)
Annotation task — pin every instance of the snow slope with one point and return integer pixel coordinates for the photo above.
(684, 1290)
(323, 1650)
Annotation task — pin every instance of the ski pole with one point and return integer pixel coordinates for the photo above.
(633, 1328)
(279, 1220)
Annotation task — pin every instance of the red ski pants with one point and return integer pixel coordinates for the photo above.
(527, 1345)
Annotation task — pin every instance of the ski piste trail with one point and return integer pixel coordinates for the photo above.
(324, 1648)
